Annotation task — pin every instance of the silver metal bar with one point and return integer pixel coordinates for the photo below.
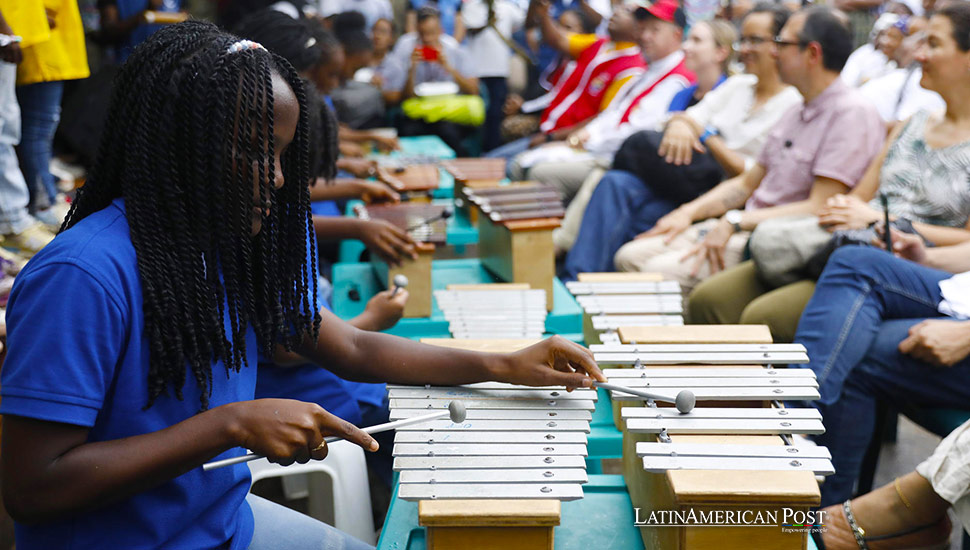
(495, 386)
(666, 308)
(472, 393)
(707, 372)
(551, 404)
(737, 394)
(491, 438)
(740, 413)
(551, 475)
(485, 449)
(698, 348)
(659, 464)
(508, 463)
(544, 426)
(505, 414)
(708, 382)
(708, 358)
(578, 288)
(479, 491)
(729, 449)
(607, 300)
(724, 426)
(614, 322)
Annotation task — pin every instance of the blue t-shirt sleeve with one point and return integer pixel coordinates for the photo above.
(65, 337)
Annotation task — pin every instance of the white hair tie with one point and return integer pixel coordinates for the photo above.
(244, 45)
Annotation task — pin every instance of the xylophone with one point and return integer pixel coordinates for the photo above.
(493, 311)
(614, 300)
(515, 226)
(474, 173)
(421, 221)
(496, 480)
(414, 182)
(733, 452)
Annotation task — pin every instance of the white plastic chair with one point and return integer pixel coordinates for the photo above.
(337, 484)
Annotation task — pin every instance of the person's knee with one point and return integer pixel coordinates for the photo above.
(704, 303)
(781, 322)
(857, 259)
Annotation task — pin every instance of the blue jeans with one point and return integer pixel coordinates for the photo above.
(863, 306)
(40, 108)
(620, 208)
(13, 188)
(280, 528)
(510, 149)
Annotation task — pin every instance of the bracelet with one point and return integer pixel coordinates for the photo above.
(899, 491)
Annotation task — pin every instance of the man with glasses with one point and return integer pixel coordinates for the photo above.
(814, 152)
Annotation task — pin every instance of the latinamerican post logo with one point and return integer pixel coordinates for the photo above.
(787, 519)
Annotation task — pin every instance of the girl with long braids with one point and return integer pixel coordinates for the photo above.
(133, 335)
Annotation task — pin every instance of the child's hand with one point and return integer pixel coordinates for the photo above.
(553, 362)
(388, 241)
(383, 311)
(288, 431)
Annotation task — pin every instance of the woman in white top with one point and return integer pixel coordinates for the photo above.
(655, 172)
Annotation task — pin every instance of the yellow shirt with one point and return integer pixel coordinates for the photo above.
(59, 56)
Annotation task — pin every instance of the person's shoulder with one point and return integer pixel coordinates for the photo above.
(449, 41)
(739, 81)
(854, 104)
(100, 244)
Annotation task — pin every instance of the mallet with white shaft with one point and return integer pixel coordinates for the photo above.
(456, 411)
(400, 281)
(684, 401)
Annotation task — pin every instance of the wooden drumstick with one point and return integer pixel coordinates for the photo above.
(684, 401)
(456, 411)
(400, 281)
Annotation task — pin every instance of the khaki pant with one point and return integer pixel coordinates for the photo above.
(565, 235)
(737, 295)
(652, 255)
(567, 177)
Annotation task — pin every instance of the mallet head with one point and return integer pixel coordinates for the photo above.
(457, 411)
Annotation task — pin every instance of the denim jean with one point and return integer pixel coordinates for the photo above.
(13, 188)
(510, 149)
(40, 106)
(863, 306)
(280, 528)
(621, 207)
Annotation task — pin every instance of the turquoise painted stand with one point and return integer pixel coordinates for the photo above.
(565, 319)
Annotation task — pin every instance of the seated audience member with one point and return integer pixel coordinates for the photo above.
(922, 172)
(875, 58)
(382, 38)
(593, 71)
(371, 10)
(889, 329)
(898, 94)
(721, 136)
(489, 55)
(641, 105)
(429, 56)
(814, 152)
(124, 26)
(910, 512)
(524, 107)
(357, 104)
(708, 51)
(449, 13)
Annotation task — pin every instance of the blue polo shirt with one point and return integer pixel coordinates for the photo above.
(78, 354)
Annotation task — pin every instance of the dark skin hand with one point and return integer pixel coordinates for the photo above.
(10, 53)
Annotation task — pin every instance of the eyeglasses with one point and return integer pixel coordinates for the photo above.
(753, 41)
(779, 42)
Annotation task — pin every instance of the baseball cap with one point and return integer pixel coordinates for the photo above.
(664, 10)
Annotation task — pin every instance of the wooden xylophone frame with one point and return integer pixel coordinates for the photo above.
(473, 173)
(418, 273)
(518, 250)
(712, 490)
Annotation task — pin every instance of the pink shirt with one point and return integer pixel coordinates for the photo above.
(836, 135)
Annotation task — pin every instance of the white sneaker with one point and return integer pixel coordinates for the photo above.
(29, 241)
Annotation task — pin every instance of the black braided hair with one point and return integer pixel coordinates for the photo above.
(306, 44)
(188, 132)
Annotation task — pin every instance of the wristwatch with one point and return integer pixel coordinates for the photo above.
(708, 132)
(733, 217)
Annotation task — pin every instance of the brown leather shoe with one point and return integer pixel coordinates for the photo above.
(842, 533)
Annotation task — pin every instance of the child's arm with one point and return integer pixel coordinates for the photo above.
(375, 357)
(51, 471)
